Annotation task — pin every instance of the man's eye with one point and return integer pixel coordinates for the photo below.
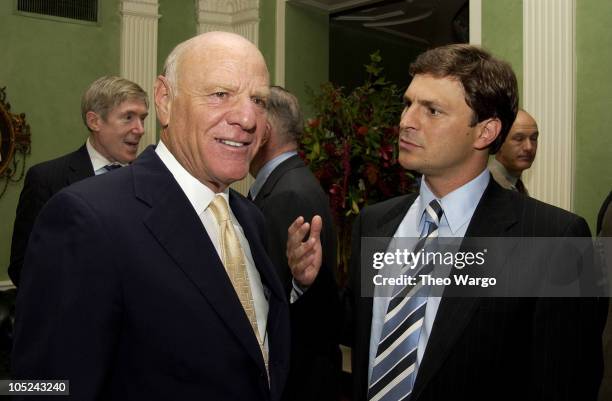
(434, 112)
(259, 101)
(220, 95)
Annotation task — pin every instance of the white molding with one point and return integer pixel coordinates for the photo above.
(139, 54)
(6, 285)
(476, 22)
(279, 59)
(139, 8)
(238, 16)
(549, 94)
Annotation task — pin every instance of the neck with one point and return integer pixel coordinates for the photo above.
(267, 153)
(513, 173)
(442, 185)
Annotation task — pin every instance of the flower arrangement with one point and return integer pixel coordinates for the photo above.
(351, 147)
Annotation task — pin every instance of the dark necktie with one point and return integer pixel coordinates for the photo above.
(394, 368)
(111, 167)
(521, 187)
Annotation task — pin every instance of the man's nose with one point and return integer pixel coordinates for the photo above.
(408, 118)
(244, 113)
(138, 126)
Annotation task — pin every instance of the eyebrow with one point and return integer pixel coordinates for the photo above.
(424, 102)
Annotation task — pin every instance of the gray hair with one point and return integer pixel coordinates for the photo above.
(108, 92)
(284, 112)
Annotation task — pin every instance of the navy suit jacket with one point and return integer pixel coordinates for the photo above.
(124, 295)
(42, 182)
(491, 348)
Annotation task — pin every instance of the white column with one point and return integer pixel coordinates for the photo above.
(549, 90)
(476, 22)
(139, 53)
(238, 16)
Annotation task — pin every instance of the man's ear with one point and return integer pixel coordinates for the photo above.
(163, 100)
(488, 130)
(93, 121)
(266, 135)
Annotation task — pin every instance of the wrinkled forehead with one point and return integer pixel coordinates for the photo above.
(524, 123)
(212, 62)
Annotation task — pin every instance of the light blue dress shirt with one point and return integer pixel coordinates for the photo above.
(459, 207)
(266, 170)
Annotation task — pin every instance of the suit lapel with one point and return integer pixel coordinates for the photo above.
(272, 286)
(493, 217)
(79, 166)
(289, 164)
(177, 228)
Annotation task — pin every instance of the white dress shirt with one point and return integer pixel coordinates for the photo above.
(97, 160)
(200, 197)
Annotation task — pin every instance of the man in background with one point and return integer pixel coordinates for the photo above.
(516, 153)
(284, 189)
(113, 110)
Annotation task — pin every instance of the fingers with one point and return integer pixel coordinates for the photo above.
(316, 227)
(304, 257)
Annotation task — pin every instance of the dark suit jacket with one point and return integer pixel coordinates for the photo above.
(290, 191)
(42, 182)
(124, 294)
(493, 348)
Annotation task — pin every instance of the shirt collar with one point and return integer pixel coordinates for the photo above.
(266, 170)
(495, 164)
(198, 194)
(459, 205)
(97, 160)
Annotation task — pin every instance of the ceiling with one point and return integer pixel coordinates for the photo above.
(424, 23)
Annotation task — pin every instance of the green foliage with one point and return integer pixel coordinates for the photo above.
(351, 145)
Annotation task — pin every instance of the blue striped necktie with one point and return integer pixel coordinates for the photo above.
(394, 368)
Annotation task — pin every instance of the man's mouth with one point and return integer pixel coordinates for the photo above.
(233, 144)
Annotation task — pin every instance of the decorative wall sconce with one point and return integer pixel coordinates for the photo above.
(14, 143)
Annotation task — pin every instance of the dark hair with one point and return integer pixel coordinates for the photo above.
(284, 112)
(490, 86)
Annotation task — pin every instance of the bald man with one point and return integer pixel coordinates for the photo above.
(153, 283)
(516, 153)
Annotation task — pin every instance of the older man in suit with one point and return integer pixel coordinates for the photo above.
(113, 110)
(459, 108)
(153, 283)
(284, 189)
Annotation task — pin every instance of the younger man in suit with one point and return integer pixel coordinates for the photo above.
(459, 108)
(284, 189)
(113, 110)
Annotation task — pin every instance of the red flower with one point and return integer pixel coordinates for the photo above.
(314, 122)
(386, 152)
(330, 148)
(361, 131)
(371, 173)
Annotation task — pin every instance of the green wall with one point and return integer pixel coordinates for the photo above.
(177, 23)
(502, 25)
(306, 51)
(267, 34)
(593, 106)
(502, 33)
(45, 66)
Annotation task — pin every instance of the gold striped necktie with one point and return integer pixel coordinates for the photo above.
(233, 259)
